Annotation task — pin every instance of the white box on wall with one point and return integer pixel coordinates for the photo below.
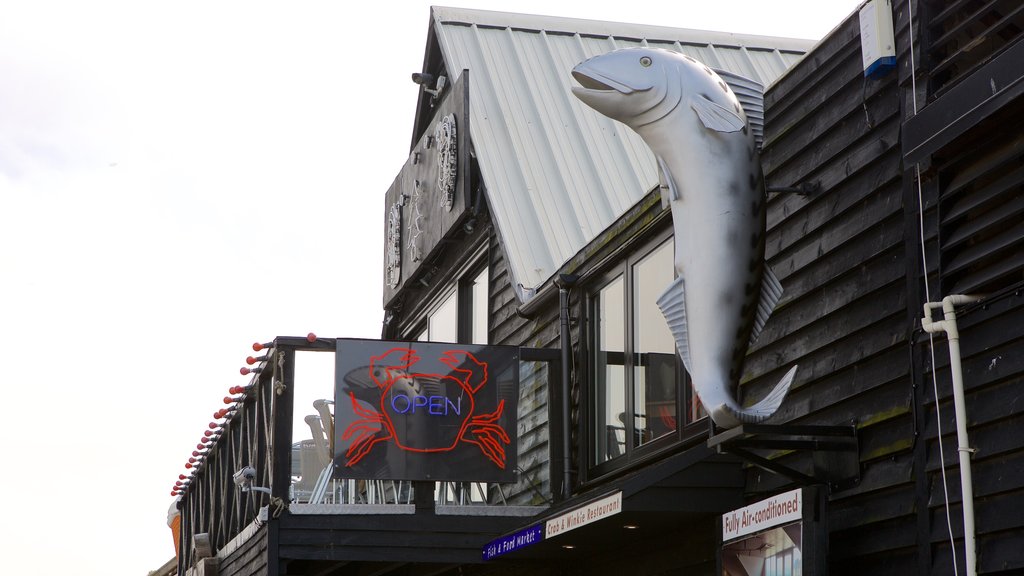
(877, 41)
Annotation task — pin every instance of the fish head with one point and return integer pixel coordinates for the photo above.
(628, 84)
(640, 86)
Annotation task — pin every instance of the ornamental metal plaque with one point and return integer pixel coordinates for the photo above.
(433, 191)
(447, 160)
(393, 246)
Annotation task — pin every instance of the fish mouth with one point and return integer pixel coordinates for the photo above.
(592, 81)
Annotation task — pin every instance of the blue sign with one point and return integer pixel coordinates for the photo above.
(513, 542)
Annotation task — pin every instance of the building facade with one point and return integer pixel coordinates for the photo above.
(524, 219)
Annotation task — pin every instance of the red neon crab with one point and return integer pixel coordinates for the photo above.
(420, 398)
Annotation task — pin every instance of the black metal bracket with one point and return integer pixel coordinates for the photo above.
(835, 450)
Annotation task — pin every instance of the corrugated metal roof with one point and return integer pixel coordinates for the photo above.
(556, 172)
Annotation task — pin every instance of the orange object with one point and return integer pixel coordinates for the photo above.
(174, 522)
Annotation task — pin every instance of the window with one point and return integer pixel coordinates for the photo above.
(637, 378)
(443, 321)
(478, 291)
(461, 315)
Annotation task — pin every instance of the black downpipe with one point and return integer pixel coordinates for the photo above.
(565, 282)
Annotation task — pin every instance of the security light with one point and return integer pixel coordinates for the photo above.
(244, 478)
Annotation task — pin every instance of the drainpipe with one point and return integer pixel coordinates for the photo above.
(565, 282)
(948, 325)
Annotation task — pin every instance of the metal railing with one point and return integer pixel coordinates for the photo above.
(220, 503)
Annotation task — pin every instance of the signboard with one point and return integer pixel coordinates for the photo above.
(512, 542)
(777, 536)
(430, 198)
(583, 515)
(425, 411)
(778, 509)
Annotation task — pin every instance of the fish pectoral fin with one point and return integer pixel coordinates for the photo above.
(714, 116)
(771, 292)
(672, 303)
(669, 190)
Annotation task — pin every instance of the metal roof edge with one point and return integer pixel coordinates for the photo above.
(583, 26)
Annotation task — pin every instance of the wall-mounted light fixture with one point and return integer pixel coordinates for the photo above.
(244, 478)
(425, 80)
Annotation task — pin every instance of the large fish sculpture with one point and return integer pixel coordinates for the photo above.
(707, 152)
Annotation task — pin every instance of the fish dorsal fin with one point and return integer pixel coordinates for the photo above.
(714, 116)
(750, 93)
(771, 292)
(669, 190)
(672, 303)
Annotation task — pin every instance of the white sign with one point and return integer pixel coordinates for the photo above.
(592, 512)
(773, 511)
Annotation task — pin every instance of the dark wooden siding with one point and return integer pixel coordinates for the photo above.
(980, 209)
(849, 259)
(991, 340)
(972, 188)
(249, 559)
(845, 318)
(963, 36)
(509, 327)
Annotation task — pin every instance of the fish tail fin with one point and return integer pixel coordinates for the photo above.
(768, 405)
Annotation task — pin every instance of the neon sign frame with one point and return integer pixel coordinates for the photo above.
(425, 411)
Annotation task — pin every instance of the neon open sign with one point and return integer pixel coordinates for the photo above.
(425, 411)
(434, 405)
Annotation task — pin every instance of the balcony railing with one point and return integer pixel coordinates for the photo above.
(279, 429)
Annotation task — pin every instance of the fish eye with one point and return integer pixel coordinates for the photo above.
(645, 61)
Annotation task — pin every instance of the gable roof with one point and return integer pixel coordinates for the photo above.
(556, 172)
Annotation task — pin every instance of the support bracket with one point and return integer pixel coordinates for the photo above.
(834, 450)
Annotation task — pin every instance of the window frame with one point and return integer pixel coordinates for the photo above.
(687, 432)
(461, 288)
(465, 306)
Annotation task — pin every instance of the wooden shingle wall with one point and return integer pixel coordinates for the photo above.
(508, 327)
(844, 318)
(249, 559)
(849, 260)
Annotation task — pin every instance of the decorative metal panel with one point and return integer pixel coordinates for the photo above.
(556, 173)
(430, 196)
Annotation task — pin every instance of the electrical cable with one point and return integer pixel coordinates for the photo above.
(928, 298)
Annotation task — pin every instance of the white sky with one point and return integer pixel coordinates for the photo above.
(177, 181)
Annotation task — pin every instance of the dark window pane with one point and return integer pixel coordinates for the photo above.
(443, 323)
(655, 390)
(479, 303)
(610, 373)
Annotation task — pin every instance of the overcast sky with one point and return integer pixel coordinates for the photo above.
(177, 181)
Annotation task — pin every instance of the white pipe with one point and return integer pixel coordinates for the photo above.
(948, 325)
